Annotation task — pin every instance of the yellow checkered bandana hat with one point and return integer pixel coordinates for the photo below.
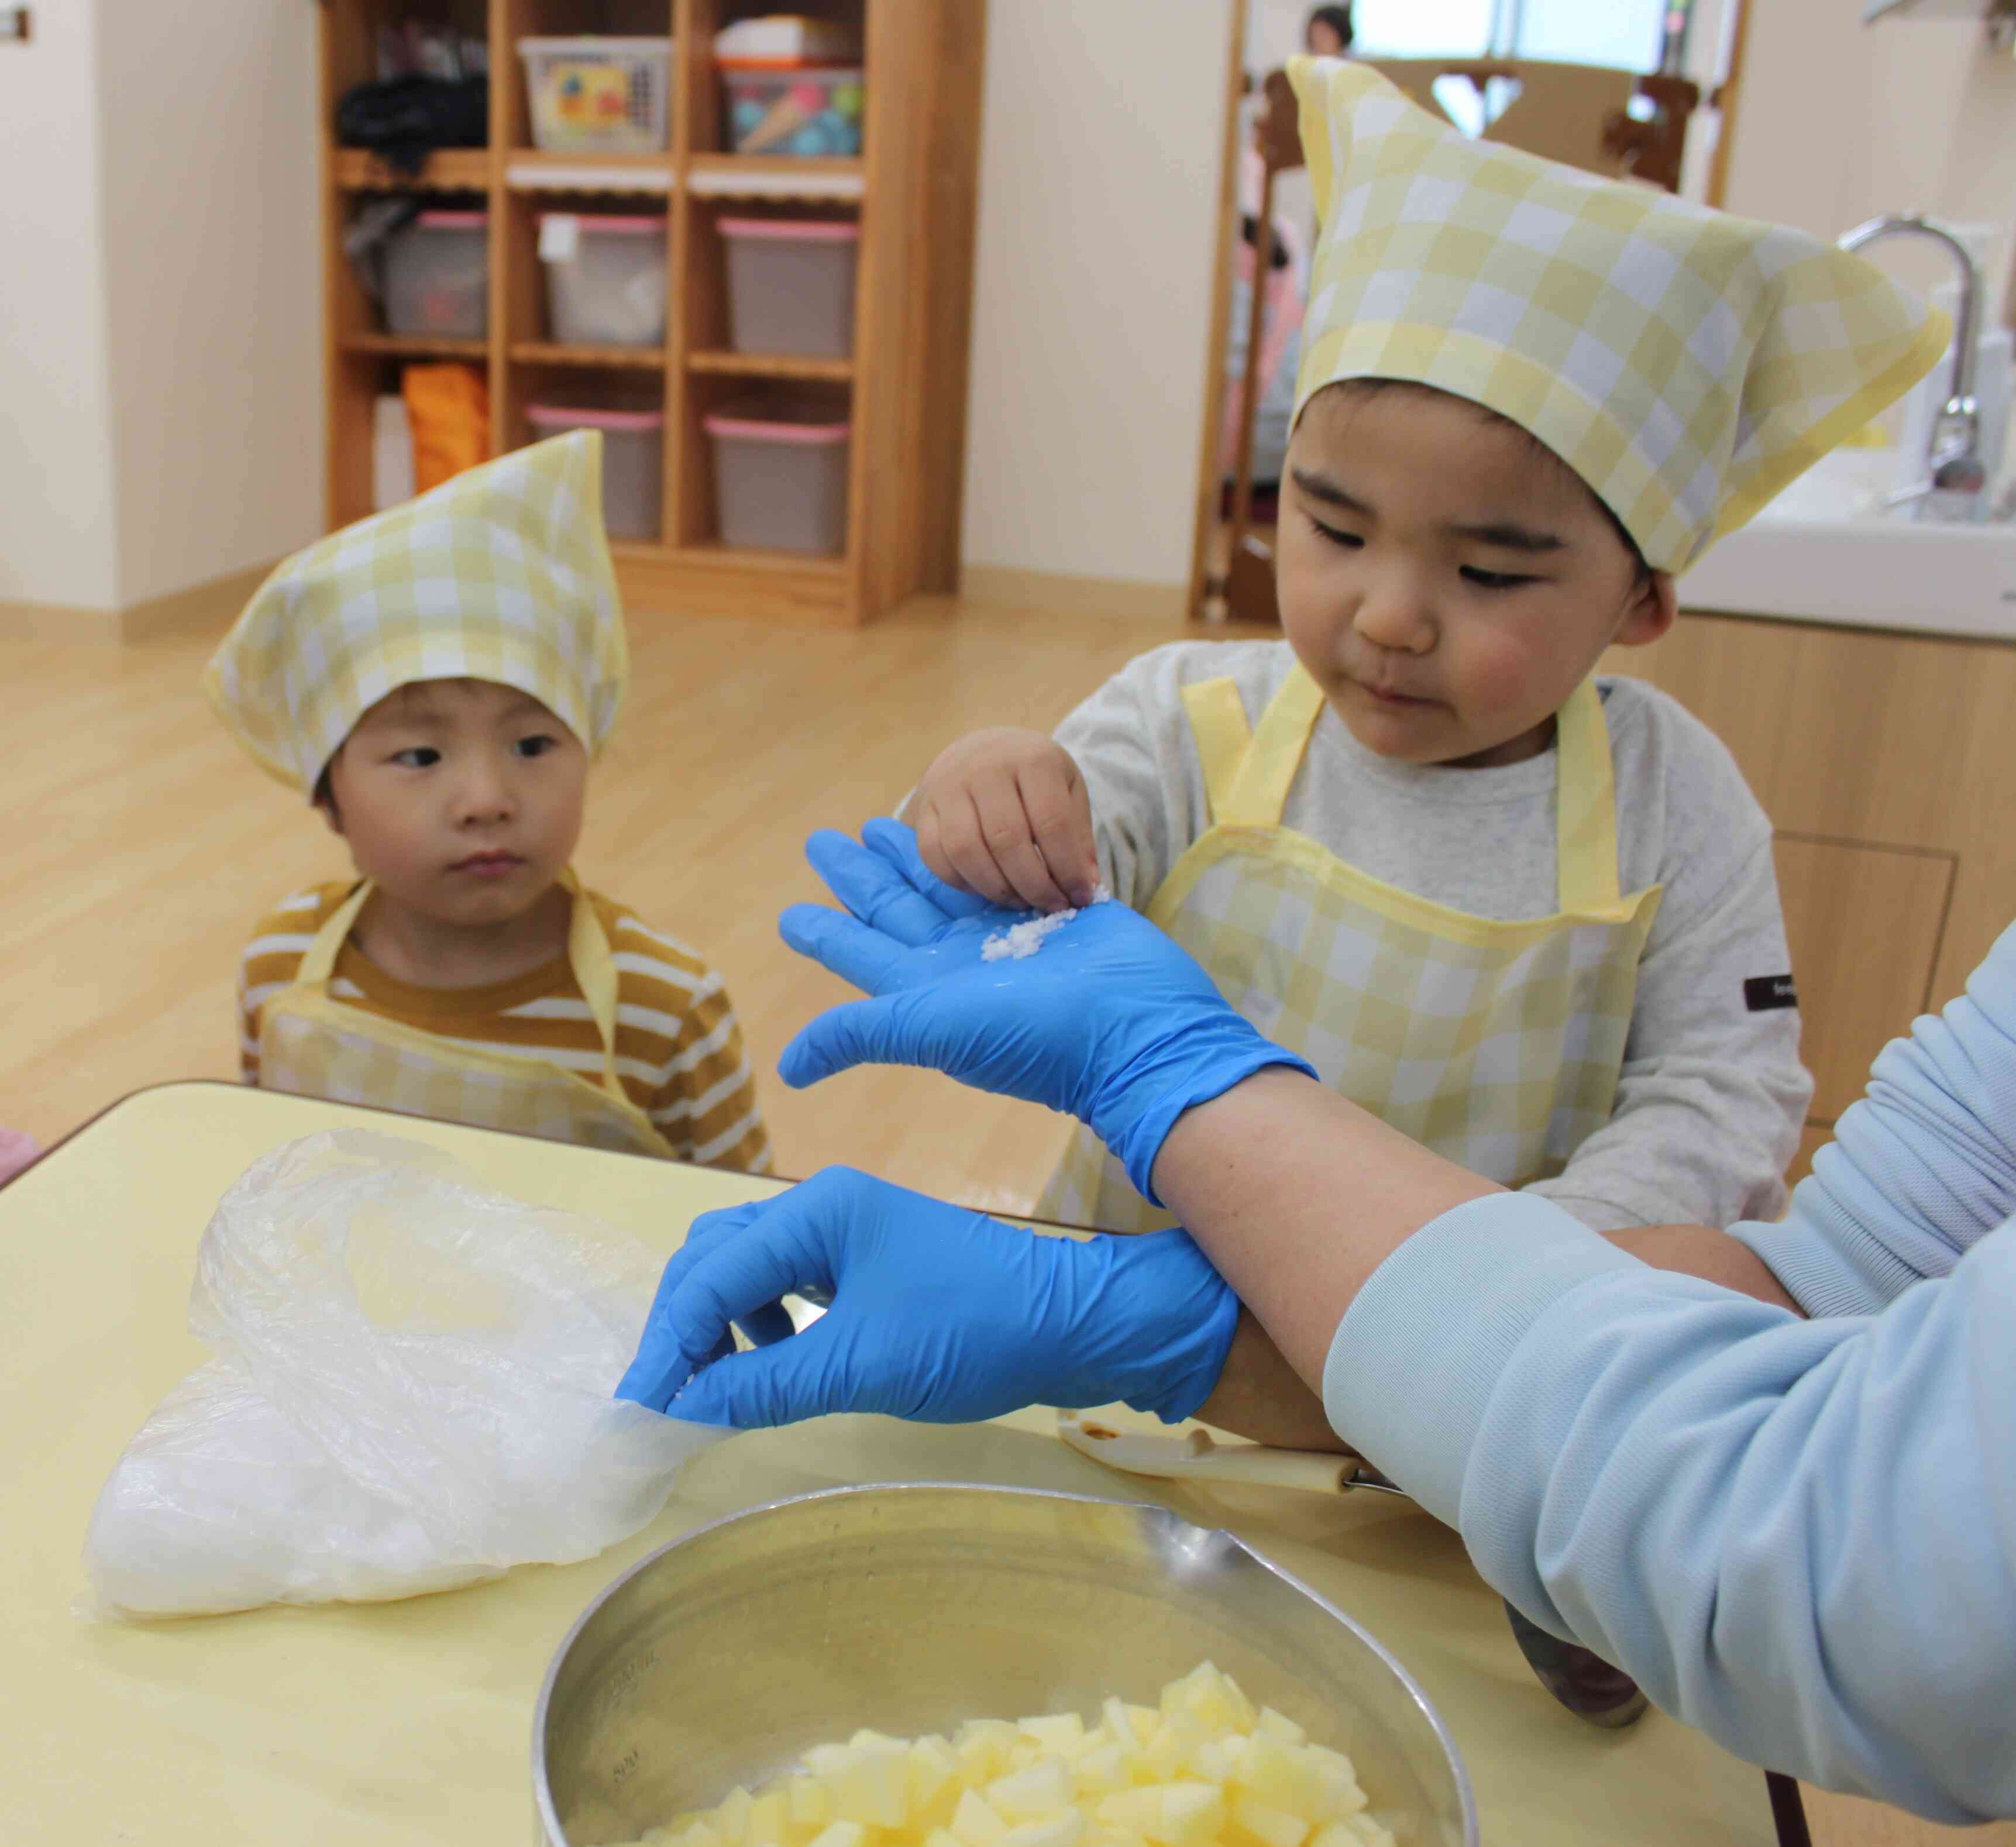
(1686, 364)
(502, 573)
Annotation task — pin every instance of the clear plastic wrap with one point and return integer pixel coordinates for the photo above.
(410, 1391)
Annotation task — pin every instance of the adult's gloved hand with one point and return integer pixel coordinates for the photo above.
(1109, 1021)
(937, 1314)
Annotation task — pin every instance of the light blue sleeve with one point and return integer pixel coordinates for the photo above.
(1800, 1535)
(1920, 1170)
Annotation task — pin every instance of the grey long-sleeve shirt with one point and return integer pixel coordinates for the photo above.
(1711, 1093)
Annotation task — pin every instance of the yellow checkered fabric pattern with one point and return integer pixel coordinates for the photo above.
(1686, 364)
(403, 1072)
(1502, 1057)
(502, 574)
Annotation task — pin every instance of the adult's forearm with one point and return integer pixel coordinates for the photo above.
(1258, 1395)
(1297, 1197)
(1714, 1256)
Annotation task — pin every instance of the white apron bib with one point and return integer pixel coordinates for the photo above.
(315, 1046)
(1495, 1044)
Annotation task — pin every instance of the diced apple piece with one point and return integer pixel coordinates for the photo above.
(730, 1819)
(1209, 1761)
(1061, 1733)
(810, 1805)
(983, 1746)
(975, 1822)
(1269, 1827)
(1193, 1815)
(1167, 1754)
(1130, 1811)
(699, 1835)
(1279, 1725)
(769, 1820)
(1043, 1788)
(1100, 1770)
(1333, 1782)
(1066, 1828)
(934, 1770)
(872, 1785)
(1274, 1774)
(1370, 1831)
(840, 1834)
(940, 1837)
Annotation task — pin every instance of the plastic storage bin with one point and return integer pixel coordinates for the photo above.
(772, 111)
(790, 285)
(780, 476)
(633, 455)
(605, 279)
(437, 276)
(606, 95)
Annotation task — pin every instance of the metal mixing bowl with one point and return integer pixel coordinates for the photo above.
(721, 1657)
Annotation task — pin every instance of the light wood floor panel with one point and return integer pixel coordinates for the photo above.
(143, 847)
(140, 848)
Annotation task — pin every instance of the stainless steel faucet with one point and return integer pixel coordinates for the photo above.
(1952, 456)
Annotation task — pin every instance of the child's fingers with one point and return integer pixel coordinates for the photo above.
(1010, 840)
(1059, 811)
(966, 851)
(930, 848)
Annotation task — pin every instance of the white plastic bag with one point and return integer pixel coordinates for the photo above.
(411, 1391)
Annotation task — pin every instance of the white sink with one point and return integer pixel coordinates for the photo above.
(1820, 552)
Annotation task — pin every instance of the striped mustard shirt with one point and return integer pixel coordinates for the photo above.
(679, 1049)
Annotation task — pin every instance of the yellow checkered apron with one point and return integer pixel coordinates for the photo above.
(316, 1045)
(1496, 1044)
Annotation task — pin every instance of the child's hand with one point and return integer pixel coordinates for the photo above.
(1004, 814)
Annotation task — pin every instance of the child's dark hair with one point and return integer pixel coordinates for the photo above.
(1361, 389)
(1338, 19)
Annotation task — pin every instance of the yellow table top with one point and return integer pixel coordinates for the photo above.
(395, 1724)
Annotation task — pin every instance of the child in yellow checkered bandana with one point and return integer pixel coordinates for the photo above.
(1527, 915)
(436, 680)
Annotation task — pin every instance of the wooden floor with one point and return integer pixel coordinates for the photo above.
(140, 847)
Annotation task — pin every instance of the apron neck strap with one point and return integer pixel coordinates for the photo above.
(319, 963)
(1248, 774)
(1586, 805)
(594, 966)
(589, 954)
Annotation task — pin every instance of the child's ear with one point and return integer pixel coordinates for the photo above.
(1655, 607)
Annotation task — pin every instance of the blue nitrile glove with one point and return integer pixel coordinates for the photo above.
(1109, 1021)
(937, 1314)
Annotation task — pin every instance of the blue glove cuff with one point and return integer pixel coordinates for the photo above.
(1181, 1386)
(1136, 1143)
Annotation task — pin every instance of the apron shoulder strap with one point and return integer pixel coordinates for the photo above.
(1249, 773)
(1274, 760)
(1586, 805)
(594, 965)
(1218, 723)
(318, 960)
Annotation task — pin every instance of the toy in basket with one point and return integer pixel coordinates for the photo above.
(598, 94)
(793, 86)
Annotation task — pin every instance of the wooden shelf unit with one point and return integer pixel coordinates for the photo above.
(912, 192)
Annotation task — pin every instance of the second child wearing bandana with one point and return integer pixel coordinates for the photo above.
(1528, 915)
(435, 680)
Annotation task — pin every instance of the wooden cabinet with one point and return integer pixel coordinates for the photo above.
(912, 191)
(1887, 763)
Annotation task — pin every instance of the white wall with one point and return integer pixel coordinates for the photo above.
(1838, 122)
(56, 517)
(1098, 177)
(160, 399)
(213, 280)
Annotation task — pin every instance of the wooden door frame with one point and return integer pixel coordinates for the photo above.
(1226, 224)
